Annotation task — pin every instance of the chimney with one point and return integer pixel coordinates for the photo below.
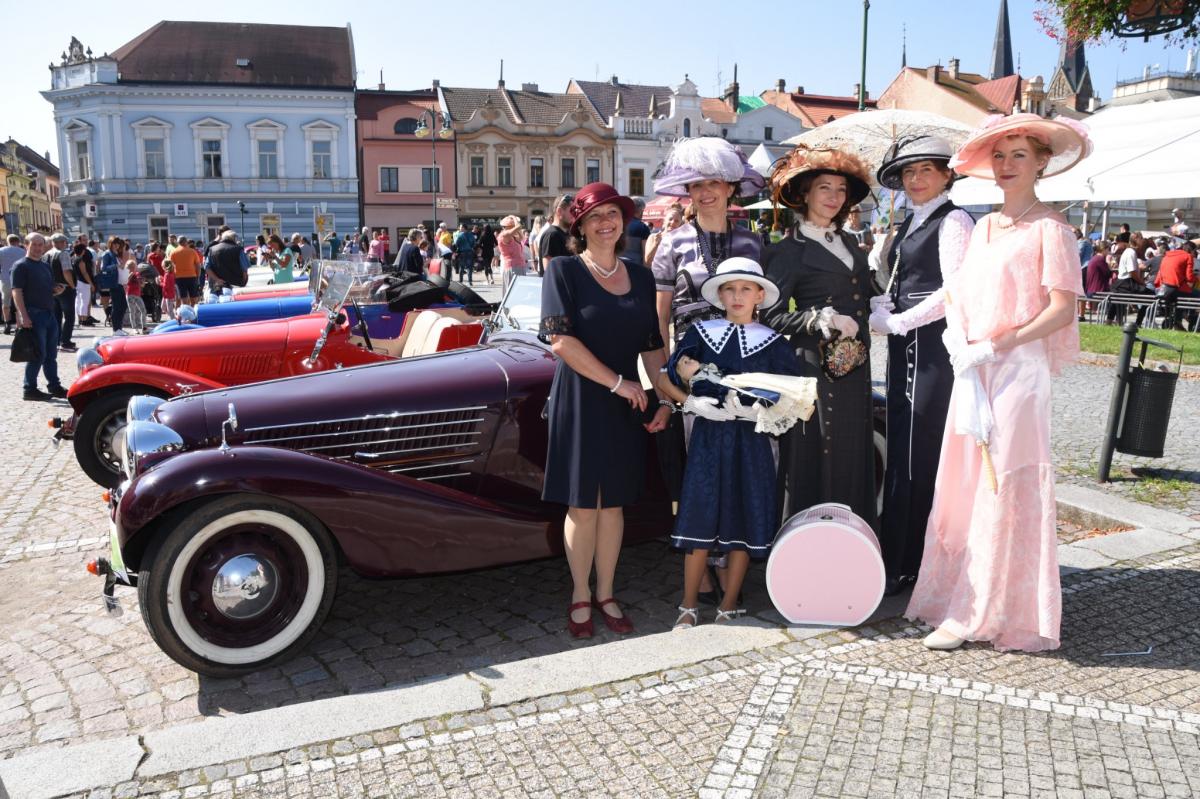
(529, 87)
(932, 72)
(731, 92)
(799, 90)
(613, 81)
(954, 68)
(857, 86)
(436, 84)
(781, 86)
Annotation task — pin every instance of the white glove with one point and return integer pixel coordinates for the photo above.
(883, 301)
(972, 355)
(706, 408)
(735, 406)
(844, 325)
(881, 320)
(954, 339)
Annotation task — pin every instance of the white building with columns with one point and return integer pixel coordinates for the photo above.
(192, 125)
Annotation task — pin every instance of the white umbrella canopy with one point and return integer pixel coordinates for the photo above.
(1145, 151)
(869, 134)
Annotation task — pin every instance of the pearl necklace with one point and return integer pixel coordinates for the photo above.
(595, 267)
(1016, 219)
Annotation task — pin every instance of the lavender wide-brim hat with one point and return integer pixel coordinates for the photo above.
(706, 158)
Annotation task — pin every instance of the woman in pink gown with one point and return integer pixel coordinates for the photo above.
(990, 566)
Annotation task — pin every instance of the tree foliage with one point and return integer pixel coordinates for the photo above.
(1099, 20)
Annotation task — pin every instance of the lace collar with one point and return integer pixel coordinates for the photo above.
(922, 212)
(751, 338)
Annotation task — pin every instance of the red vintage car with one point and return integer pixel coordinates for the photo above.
(190, 361)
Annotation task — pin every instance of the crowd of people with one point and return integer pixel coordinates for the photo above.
(1133, 264)
(979, 315)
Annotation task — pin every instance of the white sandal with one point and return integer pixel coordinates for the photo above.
(680, 624)
(726, 616)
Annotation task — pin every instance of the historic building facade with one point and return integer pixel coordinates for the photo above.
(406, 161)
(192, 125)
(517, 150)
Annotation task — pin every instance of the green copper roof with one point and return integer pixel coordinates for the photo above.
(748, 102)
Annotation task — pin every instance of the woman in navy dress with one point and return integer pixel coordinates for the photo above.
(598, 315)
(728, 500)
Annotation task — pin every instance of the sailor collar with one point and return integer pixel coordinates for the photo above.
(751, 338)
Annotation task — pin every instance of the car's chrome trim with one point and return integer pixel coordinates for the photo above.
(392, 415)
(445, 476)
(394, 441)
(360, 432)
(438, 465)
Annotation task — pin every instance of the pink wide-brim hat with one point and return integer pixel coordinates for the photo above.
(1067, 139)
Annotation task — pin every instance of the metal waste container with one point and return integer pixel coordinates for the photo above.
(1142, 397)
(1148, 402)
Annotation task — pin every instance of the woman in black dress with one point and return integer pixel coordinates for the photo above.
(825, 287)
(598, 314)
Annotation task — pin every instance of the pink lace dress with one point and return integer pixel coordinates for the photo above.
(990, 566)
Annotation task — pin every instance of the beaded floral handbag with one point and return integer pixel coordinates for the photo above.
(840, 356)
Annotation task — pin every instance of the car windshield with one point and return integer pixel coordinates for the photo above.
(522, 305)
(351, 277)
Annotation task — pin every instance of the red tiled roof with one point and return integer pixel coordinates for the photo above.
(716, 110)
(299, 56)
(1002, 93)
(815, 109)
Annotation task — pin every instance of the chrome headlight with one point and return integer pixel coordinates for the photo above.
(88, 356)
(141, 407)
(146, 438)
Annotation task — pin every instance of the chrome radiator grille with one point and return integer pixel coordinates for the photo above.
(426, 445)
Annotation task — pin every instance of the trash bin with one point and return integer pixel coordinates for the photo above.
(1147, 412)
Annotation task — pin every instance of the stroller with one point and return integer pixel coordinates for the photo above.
(151, 291)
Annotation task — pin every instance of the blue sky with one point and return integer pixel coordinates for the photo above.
(814, 43)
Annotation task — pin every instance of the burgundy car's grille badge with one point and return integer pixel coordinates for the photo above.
(424, 445)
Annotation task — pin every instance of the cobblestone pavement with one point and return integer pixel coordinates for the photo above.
(863, 713)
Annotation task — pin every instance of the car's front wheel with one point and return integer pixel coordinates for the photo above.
(100, 434)
(238, 583)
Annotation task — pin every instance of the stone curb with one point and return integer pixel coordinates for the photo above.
(230, 738)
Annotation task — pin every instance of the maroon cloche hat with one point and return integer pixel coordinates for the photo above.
(596, 194)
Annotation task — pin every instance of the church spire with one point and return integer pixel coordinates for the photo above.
(1002, 56)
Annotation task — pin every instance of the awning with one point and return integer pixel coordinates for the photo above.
(1146, 151)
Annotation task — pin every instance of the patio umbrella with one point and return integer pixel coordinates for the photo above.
(869, 134)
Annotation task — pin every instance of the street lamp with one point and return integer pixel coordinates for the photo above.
(242, 210)
(445, 132)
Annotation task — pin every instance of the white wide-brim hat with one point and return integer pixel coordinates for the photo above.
(738, 268)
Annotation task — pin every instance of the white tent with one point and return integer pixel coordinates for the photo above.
(1148, 151)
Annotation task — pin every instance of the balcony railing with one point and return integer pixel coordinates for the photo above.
(637, 128)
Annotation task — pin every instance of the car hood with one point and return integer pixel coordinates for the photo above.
(319, 411)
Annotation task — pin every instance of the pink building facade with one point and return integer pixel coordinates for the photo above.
(398, 179)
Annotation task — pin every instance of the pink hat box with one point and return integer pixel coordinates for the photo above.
(826, 568)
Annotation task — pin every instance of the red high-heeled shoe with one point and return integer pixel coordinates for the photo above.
(580, 629)
(618, 624)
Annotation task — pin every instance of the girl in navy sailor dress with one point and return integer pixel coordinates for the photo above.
(728, 500)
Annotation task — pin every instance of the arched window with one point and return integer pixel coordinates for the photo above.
(405, 127)
(687, 127)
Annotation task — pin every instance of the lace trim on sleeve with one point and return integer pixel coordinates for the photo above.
(555, 326)
(953, 239)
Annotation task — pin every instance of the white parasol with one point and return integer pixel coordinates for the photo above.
(797, 398)
(869, 134)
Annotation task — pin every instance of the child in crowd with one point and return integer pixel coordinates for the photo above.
(728, 500)
(167, 281)
(133, 299)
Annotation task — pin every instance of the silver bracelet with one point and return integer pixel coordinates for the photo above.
(666, 403)
(613, 390)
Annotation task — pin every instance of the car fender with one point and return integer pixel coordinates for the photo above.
(386, 524)
(101, 379)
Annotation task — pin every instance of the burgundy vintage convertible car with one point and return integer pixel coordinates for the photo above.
(238, 502)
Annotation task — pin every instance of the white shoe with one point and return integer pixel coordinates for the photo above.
(940, 639)
(688, 618)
